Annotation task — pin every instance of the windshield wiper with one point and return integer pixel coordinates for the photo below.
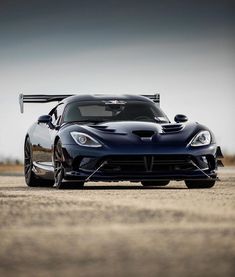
(86, 121)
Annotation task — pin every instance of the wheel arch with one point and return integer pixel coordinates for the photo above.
(56, 140)
(25, 139)
(26, 136)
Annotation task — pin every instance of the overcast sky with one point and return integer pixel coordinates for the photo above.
(183, 49)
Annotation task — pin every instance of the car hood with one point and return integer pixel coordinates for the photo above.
(133, 132)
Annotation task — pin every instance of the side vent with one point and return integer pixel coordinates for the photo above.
(219, 155)
(220, 163)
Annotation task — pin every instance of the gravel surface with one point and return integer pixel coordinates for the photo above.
(117, 229)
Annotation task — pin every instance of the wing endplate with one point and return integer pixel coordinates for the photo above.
(155, 97)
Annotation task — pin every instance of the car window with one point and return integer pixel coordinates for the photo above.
(93, 110)
(56, 114)
(113, 111)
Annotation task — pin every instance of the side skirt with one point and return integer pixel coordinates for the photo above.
(44, 170)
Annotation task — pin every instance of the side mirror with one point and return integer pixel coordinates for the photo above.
(179, 118)
(47, 119)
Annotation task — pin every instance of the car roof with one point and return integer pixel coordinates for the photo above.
(95, 97)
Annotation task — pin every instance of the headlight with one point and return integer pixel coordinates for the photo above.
(202, 138)
(85, 140)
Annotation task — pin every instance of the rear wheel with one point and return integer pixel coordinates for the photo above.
(59, 170)
(203, 184)
(28, 165)
(155, 183)
(30, 178)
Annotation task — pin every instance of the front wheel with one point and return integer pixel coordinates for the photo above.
(155, 183)
(203, 184)
(59, 170)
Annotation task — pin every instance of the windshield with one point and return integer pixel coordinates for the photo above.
(101, 111)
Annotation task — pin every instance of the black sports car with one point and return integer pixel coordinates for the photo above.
(116, 138)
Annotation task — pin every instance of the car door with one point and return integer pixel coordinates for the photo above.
(43, 138)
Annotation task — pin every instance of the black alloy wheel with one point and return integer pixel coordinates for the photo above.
(30, 177)
(28, 165)
(59, 170)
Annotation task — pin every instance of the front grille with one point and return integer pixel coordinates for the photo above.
(172, 128)
(138, 164)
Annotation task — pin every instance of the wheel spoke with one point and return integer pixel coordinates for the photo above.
(58, 166)
(58, 169)
(27, 148)
(58, 155)
(57, 173)
(27, 161)
(27, 167)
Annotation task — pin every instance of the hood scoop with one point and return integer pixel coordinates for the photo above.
(172, 128)
(144, 133)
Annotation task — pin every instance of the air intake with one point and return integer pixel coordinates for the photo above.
(144, 134)
(172, 128)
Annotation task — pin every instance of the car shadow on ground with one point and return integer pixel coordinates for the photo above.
(125, 187)
(90, 187)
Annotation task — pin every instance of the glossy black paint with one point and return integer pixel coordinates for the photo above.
(122, 140)
(179, 118)
(45, 119)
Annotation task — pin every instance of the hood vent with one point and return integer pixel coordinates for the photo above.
(103, 128)
(144, 133)
(172, 128)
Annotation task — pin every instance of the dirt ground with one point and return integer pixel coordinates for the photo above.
(117, 229)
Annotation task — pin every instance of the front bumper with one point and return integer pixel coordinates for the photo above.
(165, 163)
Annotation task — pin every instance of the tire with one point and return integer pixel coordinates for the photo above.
(155, 183)
(30, 178)
(59, 170)
(203, 184)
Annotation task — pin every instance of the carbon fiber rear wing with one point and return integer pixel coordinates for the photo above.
(40, 98)
(46, 98)
(155, 97)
